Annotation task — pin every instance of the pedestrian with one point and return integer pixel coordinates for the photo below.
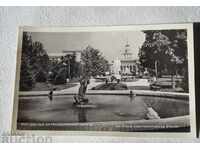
(50, 95)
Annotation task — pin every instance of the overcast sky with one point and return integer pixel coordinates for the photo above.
(111, 44)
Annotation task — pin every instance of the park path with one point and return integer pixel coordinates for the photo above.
(140, 82)
(75, 88)
(72, 89)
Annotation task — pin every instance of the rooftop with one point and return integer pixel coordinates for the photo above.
(56, 54)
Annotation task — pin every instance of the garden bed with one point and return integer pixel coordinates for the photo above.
(111, 86)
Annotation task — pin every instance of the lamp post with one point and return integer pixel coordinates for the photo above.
(156, 69)
(69, 68)
(65, 70)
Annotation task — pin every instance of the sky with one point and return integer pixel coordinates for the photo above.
(110, 43)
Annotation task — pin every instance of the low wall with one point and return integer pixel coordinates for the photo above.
(182, 96)
(181, 123)
(166, 125)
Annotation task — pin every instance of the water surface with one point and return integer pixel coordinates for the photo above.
(109, 108)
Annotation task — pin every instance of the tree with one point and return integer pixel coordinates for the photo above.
(67, 67)
(155, 52)
(26, 80)
(93, 62)
(165, 50)
(34, 62)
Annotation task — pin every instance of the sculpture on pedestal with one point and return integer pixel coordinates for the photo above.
(92, 64)
(80, 98)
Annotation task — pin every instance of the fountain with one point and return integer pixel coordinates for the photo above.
(80, 100)
(115, 112)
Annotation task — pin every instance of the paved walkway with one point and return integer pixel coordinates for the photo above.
(140, 82)
(75, 88)
(72, 89)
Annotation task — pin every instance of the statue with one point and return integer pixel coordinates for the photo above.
(80, 98)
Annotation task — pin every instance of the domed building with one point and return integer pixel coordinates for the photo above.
(127, 65)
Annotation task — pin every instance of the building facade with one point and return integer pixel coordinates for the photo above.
(126, 65)
(58, 56)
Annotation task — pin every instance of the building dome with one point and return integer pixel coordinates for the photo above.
(127, 54)
(127, 45)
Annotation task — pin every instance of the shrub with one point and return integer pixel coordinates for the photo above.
(41, 76)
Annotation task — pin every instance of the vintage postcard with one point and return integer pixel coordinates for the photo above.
(110, 80)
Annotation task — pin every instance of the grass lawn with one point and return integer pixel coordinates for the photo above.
(41, 86)
(172, 90)
(138, 88)
(111, 86)
(169, 79)
(166, 84)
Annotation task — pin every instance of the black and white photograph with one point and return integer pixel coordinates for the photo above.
(111, 79)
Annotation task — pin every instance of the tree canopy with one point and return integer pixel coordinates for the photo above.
(34, 63)
(67, 67)
(93, 62)
(167, 47)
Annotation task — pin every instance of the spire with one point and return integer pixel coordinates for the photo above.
(127, 45)
(127, 54)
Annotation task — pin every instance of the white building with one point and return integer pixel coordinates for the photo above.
(72, 52)
(57, 56)
(128, 65)
(116, 67)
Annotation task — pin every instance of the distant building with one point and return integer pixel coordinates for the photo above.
(116, 67)
(72, 52)
(55, 56)
(128, 65)
(58, 56)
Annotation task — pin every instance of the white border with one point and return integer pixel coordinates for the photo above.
(99, 2)
(188, 26)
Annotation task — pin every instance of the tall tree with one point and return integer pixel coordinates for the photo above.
(165, 50)
(93, 62)
(34, 61)
(67, 67)
(26, 79)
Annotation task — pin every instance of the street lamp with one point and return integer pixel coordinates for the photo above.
(156, 69)
(69, 67)
(65, 70)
